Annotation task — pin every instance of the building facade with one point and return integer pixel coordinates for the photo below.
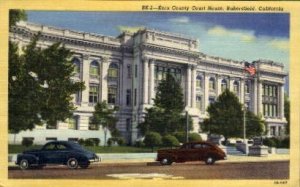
(125, 71)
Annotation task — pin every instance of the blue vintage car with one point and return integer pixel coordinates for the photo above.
(57, 152)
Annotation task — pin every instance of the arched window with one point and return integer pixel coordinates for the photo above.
(113, 71)
(223, 85)
(199, 82)
(76, 63)
(236, 87)
(94, 69)
(212, 84)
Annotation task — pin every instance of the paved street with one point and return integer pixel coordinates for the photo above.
(192, 170)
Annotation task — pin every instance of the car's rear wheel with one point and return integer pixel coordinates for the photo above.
(24, 164)
(210, 160)
(166, 161)
(72, 163)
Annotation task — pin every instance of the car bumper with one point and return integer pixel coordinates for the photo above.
(98, 159)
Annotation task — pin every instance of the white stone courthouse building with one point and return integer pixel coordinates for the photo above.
(125, 71)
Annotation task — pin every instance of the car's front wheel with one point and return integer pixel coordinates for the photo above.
(210, 160)
(24, 164)
(72, 163)
(166, 161)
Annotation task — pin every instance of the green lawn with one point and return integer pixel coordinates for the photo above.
(97, 149)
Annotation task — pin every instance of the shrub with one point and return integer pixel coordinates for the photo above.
(193, 137)
(27, 142)
(269, 142)
(152, 139)
(95, 141)
(181, 136)
(89, 142)
(81, 141)
(121, 141)
(110, 141)
(170, 141)
(285, 143)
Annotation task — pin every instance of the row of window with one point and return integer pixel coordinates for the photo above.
(94, 71)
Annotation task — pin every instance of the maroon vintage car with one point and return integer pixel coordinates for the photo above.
(192, 151)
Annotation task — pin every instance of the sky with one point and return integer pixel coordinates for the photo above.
(234, 36)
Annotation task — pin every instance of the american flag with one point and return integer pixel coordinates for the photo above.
(250, 68)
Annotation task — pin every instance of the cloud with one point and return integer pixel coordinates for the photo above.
(130, 29)
(182, 19)
(247, 36)
(281, 44)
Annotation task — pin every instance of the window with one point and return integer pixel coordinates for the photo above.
(76, 63)
(212, 84)
(211, 100)
(128, 124)
(247, 87)
(50, 146)
(128, 97)
(94, 69)
(91, 125)
(73, 139)
(129, 71)
(78, 97)
(93, 94)
(112, 95)
(199, 102)
(270, 101)
(51, 139)
(61, 147)
(135, 95)
(273, 131)
(113, 71)
(73, 122)
(223, 85)
(236, 87)
(136, 71)
(199, 82)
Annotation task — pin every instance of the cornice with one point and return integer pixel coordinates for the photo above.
(68, 40)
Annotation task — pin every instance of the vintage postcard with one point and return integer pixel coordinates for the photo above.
(143, 93)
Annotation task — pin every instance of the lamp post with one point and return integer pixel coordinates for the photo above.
(244, 123)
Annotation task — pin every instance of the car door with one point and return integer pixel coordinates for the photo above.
(188, 153)
(198, 151)
(49, 153)
(62, 153)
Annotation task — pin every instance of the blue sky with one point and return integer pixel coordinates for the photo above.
(230, 35)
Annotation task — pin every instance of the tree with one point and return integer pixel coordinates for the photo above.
(166, 116)
(40, 85)
(16, 15)
(287, 113)
(193, 137)
(226, 118)
(152, 139)
(104, 116)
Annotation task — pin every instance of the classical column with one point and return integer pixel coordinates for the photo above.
(259, 98)
(242, 91)
(206, 90)
(218, 84)
(193, 95)
(230, 85)
(255, 96)
(188, 89)
(104, 73)
(281, 107)
(85, 78)
(145, 80)
(151, 94)
(121, 92)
